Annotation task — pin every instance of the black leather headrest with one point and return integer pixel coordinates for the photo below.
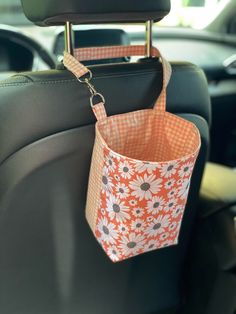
(57, 12)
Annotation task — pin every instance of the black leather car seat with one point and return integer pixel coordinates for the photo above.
(212, 276)
(49, 259)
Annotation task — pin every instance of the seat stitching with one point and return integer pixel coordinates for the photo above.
(96, 77)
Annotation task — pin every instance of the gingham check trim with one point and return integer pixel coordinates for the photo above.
(149, 135)
(95, 184)
(99, 111)
(77, 68)
(96, 53)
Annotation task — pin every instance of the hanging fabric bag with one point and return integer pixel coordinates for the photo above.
(141, 166)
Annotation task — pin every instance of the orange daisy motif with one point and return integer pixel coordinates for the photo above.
(142, 210)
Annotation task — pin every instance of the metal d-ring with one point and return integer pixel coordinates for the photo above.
(96, 95)
(91, 89)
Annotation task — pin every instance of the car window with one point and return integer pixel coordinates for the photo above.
(196, 14)
(11, 13)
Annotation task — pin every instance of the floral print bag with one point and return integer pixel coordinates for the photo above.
(141, 167)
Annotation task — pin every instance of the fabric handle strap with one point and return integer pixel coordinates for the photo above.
(72, 63)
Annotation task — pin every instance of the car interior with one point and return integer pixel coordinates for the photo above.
(50, 262)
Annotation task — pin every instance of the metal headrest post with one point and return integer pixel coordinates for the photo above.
(69, 40)
(149, 25)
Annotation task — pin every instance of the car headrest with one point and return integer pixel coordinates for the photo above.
(57, 12)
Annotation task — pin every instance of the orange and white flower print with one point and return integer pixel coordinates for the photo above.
(142, 204)
(131, 244)
(158, 225)
(113, 253)
(145, 187)
(117, 210)
(107, 231)
(155, 205)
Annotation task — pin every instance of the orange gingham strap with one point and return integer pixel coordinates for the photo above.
(74, 66)
(96, 53)
(99, 111)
